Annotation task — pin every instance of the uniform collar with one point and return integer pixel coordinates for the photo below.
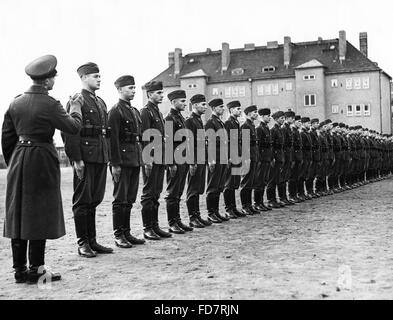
(37, 89)
(195, 115)
(89, 93)
(174, 111)
(124, 102)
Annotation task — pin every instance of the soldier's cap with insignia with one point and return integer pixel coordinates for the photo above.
(297, 117)
(42, 68)
(327, 121)
(233, 104)
(341, 125)
(87, 68)
(124, 81)
(314, 120)
(251, 108)
(216, 103)
(177, 94)
(197, 98)
(278, 114)
(289, 114)
(305, 119)
(264, 112)
(335, 124)
(153, 86)
(321, 124)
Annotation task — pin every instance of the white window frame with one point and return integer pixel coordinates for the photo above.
(288, 86)
(334, 83)
(335, 108)
(366, 82)
(215, 91)
(242, 91)
(268, 89)
(260, 90)
(349, 113)
(234, 92)
(348, 83)
(227, 92)
(357, 83)
(358, 113)
(309, 95)
(368, 112)
(275, 89)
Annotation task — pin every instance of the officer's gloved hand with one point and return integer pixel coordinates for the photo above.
(193, 169)
(79, 167)
(116, 171)
(172, 170)
(148, 168)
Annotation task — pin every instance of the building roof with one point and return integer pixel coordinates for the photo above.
(317, 53)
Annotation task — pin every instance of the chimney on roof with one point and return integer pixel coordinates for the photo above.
(320, 39)
(178, 61)
(363, 43)
(342, 45)
(225, 57)
(249, 46)
(272, 44)
(287, 51)
(171, 58)
(208, 51)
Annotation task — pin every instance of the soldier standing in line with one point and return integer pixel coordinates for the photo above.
(153, 173)
(89, 154)
(298, 161)
(34, 210)
(197, 171)
(216, 169)
(278, 160)
(307, 157)
(247, 183)
(126, 160)
(177, 172)
(331, 159)
(288, 157)
(316, 158)
(232, 182)
(336, 168)
(346, 156)
(265, 158)
(320, 184)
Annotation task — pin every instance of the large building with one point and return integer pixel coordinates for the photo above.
(324, 79)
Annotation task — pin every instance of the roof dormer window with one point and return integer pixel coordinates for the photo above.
(237, 72)
(269, 69)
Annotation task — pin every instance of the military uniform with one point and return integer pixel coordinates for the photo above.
(320, 185)
(307, 159)
(316, 161)
(298, 162)
(33, 210)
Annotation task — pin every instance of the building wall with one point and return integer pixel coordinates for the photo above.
(385, 102)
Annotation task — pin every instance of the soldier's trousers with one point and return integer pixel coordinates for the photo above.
(284, 176)
(195, 187)
(88, 194)
(262, 179)
(293, 184)
(274, 179)
(174, 191)
(215, 186)
(303, 175)
(312, 174)
(152, 188)
(124, 193)
(36, 254)
(247, 183)
(232, 183)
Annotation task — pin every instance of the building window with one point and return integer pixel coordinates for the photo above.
(237, 71)
(348, 83)
(366, 82)
(260, 90)
(192, 86)
(235, 92)
(366, 110)
(335, 108)
(215, 91)
(334, 83)
(358, 110)
(227, 92)
(242, 91)
(309, 100)
(268, 90)
(309, 77)
(288, 86)
(349, 110)
(269, 69)
(275, 89)
(356, 83)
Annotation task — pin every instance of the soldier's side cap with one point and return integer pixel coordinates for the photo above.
(42, 68)
(341, 125)
(305, 119)
(233, 104)
(314, 120)
(87, 68)
(335, 124)
(153, 86)
(289, 114)
(346, 126)
(198, 98)
(124, 81)
(250, 109)
(177, 94)
(327, 121)
(297, 117)
(321, 124)
(216, 102)
(264, 112)
(278, 114)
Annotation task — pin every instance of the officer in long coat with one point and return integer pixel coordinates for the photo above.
(89, 154)
(196, 178)
(126, 160)
(176, 172)
(34, 210)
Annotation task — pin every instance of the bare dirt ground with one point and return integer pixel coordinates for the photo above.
(336, 247)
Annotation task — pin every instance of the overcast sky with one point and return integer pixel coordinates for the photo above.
(134, 37)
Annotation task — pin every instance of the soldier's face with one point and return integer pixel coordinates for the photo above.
(307, 125)
(254, 115)
(179, 104)
(93, 81)
(219, 110)
(315, 125)
(266, 118)
(236, 112)
(281, 120)
(127, 92)
(289, 120)
(200, 107)
(157, 96)
(298, 123)
(51, 83)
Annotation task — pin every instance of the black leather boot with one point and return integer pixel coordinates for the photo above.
(19, 252)
(91, 228)
(156, 227)
(84, 249)
(118, 227)
(127, 230)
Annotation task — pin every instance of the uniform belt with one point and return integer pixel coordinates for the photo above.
(30, 139)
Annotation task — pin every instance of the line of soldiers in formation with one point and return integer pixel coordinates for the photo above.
(297, 159)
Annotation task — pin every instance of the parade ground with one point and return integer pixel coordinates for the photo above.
(335, 247)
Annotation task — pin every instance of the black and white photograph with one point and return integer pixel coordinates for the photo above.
(207, 151)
